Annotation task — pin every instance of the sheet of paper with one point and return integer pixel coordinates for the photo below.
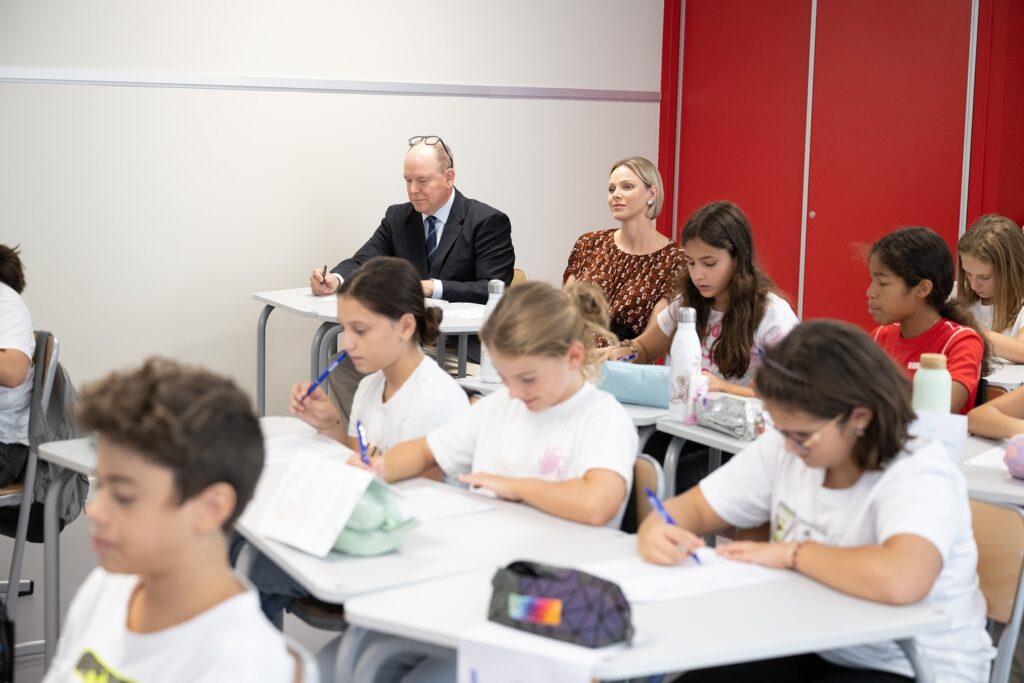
(314, 501)
(645, 582)
(492, 653)
(427, 503)
(993, 458)
(949, 429)
(283, 449)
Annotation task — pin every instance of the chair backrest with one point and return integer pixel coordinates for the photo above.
(999, 534)
(46, 356)
(519, 276)
(647, 473)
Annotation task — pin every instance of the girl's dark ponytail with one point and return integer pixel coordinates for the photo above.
(12, 273)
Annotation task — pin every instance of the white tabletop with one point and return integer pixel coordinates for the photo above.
(1008, 376)
(465, 317)
(788, 616)
(703, 436)
(434, 549)
(642, 416)
(986, 483)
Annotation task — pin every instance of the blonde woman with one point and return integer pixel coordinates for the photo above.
(635, 265)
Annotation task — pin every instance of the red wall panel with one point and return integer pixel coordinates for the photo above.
(671, 30)
(890, 93)
(997, 140)
(743, 113)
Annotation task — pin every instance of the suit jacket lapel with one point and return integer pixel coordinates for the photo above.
(452, 228)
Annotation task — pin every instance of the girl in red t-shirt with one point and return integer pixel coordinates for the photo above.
(911, 279)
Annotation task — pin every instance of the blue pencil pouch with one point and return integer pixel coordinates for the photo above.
(642, 385)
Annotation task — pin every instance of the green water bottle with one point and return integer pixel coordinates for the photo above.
(933, 387)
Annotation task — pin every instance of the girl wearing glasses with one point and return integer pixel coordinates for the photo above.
(851, 500)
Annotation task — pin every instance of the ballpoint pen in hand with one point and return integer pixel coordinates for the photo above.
(323, 277)
(323, 375)
(361, 436)
(626, 359)
(656, 504)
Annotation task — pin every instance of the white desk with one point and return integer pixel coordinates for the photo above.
(988, 484)
(708, 630)
(300, 301)
(1008, 376)
(717, 442)
(644, 417)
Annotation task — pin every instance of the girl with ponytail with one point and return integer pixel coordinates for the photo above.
(403, 396)
(548, 438)
(909, 296)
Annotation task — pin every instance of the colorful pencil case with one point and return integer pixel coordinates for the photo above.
(564, 604)
(642, 385)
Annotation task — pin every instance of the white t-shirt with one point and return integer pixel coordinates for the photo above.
(228, 643)
(776, 323)
(983, 314)
(921, 492)
(15, 333)
(500, 435)
(428, 399)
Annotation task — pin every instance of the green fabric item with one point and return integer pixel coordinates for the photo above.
(376, 526)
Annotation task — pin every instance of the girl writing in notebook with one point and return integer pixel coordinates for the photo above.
(853, 502)
(990, 281)
(738, 312)
(404, 396)
(548, 438)
(909, 297)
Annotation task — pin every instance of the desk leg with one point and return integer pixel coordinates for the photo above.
(714, 459)
(922, 667)
(463, 355)
(353, 642)
(314, 350)
(672, 464)
(261, 360)
(645, 434)
(51, 563)
(439, 350)
(328, 345)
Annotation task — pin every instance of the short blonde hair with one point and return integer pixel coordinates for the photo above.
(648, 174)
(536, 319)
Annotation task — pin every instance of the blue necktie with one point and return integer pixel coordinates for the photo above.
(431, 238)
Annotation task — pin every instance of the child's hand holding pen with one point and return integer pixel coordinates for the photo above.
(315, 409)
(662, 541)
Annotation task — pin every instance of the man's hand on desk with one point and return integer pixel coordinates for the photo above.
(322, 285)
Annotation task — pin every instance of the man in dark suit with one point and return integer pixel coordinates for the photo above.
(457, 244)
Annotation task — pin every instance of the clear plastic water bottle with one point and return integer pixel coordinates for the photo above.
(933, 387)
(495, 290)
(685, 367)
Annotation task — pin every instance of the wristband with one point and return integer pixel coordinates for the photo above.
(793, 555)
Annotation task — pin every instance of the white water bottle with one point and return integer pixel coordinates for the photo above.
(495, 289)
(933, 387)
(686, 366)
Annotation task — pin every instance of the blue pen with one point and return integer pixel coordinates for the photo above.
(656, 504)
(626, 359)
(323, 375)
(361, 435)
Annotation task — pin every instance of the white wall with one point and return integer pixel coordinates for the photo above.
(149, 216)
